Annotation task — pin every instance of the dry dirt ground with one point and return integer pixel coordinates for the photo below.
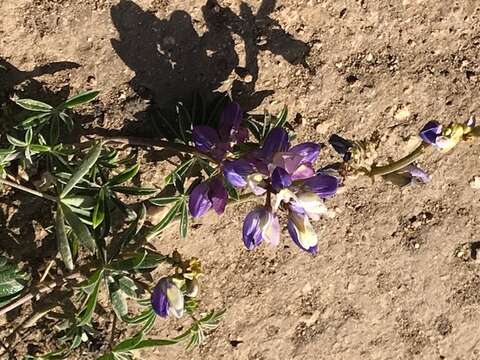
(397, 274)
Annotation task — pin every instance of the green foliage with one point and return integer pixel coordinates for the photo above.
(100, 236)
(12, 281)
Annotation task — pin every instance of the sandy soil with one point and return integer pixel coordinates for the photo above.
(397, 273)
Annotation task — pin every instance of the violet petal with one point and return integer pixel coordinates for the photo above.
(277, 140)
(199, 202)
(430, 132)
(280, 179)
(236, 172)
(230, 119)
(308, 151)
(159, 298)
(205, 137)
(218, 195)
(322, 185)
(252, 233)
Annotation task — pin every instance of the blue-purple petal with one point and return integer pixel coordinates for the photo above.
(280, 179)
(430, 132)
(236, 171)
(293, 234)
(417, 173)
(252, 233)
(277, 140)
(205, 137)
(159, 299)
(199, 202)
(218, 195)
(230, 120)
(322, 185)
(308, 151)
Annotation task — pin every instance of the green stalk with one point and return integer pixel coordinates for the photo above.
(28, 190)
(399, 164)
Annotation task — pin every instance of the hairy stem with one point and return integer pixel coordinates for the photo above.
(136, 141)
(37, 290)
(28, 190)
(399, 164)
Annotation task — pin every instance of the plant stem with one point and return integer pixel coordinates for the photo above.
(28, 190)
(399, 164)
(136, 141)
(37, 290)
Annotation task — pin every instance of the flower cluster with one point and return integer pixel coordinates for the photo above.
(219, 145)
(285, 174)
(172, 293)
(446, 138)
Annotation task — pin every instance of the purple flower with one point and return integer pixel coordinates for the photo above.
(229, 126)
(276, 141)
(430, 132)
(309, 151)
(323, 185)
(301, 231)
(236, 172)
(280, 179)
(208, 195)
(230, 131)
(167, 299)
(409, 175)
(259, 225)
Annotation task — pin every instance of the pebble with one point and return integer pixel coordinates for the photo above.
(475, 183)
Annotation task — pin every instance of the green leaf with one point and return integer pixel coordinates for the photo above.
(162, 201)
(129, 343)
(34, 105)
(281, 118)
(15, 141)
(86, 313)
(83, 169)
(118, 300)
(129, 263)
(166, 220)
(99, 211)
(35, 120)
(180, 171)
(79, 228)
(125, 175)
(39, 148)
(79, 99)
(125, 238)
(132, 190)
(184, 219)
(89, 284)
(142, 317)
(62, 239)
(128, 286)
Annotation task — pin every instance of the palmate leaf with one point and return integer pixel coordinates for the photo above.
(83, 169)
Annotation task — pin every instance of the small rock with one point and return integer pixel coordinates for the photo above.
(475, 183)
(370, 58)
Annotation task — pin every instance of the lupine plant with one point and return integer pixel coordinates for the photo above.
(100, 220)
